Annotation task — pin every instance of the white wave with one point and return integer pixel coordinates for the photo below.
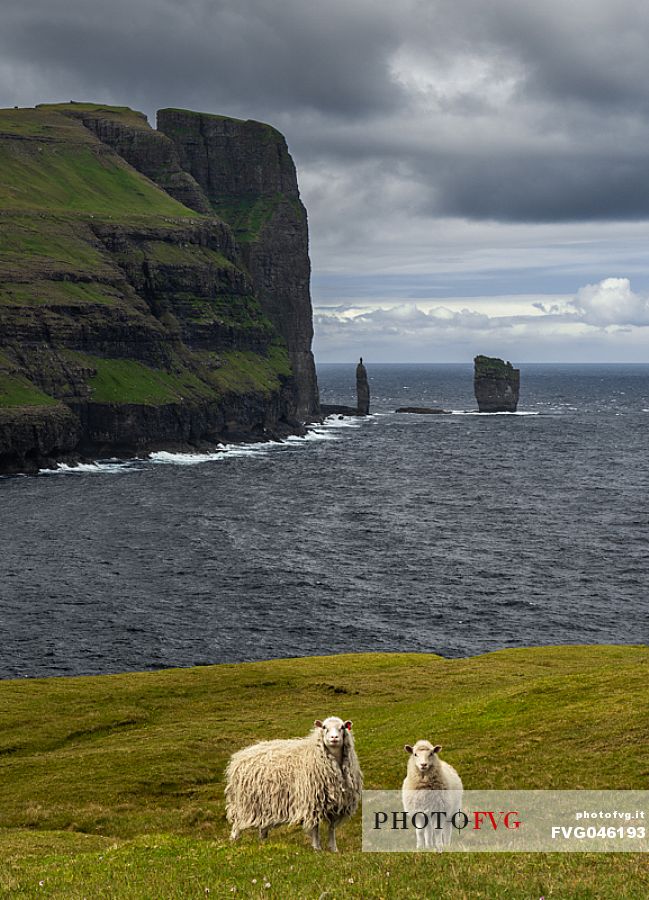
(181, 459)
(230, 451)
(94, 468)
(336, 421)
(223, 451)
(315, 433)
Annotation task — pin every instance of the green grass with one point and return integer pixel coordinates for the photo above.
(15, 390)
(125, 114)
(247, 216)
(242, 372)
(41, 123)
(492, 366)
(237, 311)
(31, 245)
(169, 253)
(263, 129)
(113, 786)
(129, 381)
(77, 177)
(56, 293)
(193, 112)
(233, 372)
(49, 161)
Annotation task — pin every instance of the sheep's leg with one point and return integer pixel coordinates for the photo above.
(263, 834)
(421, 840)
(315, 837)
(331, 844)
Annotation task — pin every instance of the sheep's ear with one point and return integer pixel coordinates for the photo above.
(408, 748)
(348, 725)
(437, 748)
(318, 724)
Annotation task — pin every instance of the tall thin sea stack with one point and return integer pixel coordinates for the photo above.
(362, 390)
(496, 384)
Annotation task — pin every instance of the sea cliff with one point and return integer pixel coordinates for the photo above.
(136, 310)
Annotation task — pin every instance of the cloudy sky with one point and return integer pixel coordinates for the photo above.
(476, 173)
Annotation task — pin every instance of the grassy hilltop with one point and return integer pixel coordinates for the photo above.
(112, 786)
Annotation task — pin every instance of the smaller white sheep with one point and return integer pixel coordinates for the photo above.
(431, 786)
(300, 781)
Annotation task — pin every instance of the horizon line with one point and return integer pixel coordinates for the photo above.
(463, 362)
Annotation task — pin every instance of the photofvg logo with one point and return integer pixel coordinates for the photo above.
(492, 821)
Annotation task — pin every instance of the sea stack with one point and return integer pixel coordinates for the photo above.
(496, 384)
(362, 390)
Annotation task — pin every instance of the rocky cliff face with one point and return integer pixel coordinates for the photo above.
(247, 174)
(128, 320)
(496, 384)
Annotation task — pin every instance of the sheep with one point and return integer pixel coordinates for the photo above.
(300, 781)
(431, 785)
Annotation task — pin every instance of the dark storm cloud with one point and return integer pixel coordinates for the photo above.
(592, 51)
(283, 56)
(533, 189)
(503, 110)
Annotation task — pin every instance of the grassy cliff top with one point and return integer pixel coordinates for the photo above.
(113, 785)
(492, 365)
(202, 115)
(124, 114)
(50, 162)
(43, 123)
(252, 123)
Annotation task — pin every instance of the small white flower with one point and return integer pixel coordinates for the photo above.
(267, 884)
(41, 883)
(254, 881)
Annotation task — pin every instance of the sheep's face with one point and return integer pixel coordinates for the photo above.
(423, 755)
(333, 731)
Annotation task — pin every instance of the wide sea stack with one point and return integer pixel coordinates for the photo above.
(496, 384)
(154, 287)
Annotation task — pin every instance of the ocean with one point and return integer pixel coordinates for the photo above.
(454, 534)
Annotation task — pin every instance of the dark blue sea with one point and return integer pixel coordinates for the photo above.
(453, 534)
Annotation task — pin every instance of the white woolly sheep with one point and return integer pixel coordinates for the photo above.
(301, 781)
(430, 786)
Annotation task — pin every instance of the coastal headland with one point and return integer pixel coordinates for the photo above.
(154, 284)
(113, 785)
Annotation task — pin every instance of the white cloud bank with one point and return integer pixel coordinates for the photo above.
(606, 321)
(611, 302)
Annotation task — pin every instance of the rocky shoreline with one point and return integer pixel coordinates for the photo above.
(40, 438)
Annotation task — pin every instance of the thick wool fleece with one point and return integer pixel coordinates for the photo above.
(292, 782)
